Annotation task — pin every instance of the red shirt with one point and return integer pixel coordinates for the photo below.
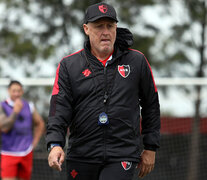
(105, 60)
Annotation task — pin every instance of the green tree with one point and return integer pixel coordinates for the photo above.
(186, 47)
(36, 29)
(198, 14)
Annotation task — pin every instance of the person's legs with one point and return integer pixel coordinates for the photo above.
(82, 171)
(9, 165)
(118, 171)
(25, 167)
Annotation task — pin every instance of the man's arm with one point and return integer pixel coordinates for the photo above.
(7, 122)
(39, 127)
(150, 119)
(59, 116)
(150, 108)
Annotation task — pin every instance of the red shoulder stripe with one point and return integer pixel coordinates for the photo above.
(56, 86)
(149, 67)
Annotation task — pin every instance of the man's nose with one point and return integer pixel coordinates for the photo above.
(105, 30)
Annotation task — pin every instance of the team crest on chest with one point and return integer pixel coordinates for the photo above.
(126, 165)
(124, 70)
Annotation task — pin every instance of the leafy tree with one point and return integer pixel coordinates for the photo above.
(198, 14)
(179, 50)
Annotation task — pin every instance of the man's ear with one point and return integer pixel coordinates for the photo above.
(85, 27)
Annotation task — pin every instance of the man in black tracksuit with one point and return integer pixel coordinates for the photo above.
(97, 94)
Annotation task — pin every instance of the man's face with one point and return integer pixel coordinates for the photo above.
(15, 91)
(102, 35)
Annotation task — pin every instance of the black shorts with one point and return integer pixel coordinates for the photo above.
(108, 171)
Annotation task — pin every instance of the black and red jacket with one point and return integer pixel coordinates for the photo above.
(126, 83)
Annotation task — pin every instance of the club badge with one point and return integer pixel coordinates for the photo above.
(103, 8)
(126, 165)
(124, 70)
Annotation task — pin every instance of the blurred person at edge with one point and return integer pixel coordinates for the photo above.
(17, 119)
(97, 94)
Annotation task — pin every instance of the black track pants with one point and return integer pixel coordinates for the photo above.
(108, 171)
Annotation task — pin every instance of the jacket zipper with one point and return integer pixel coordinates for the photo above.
(105, 109)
